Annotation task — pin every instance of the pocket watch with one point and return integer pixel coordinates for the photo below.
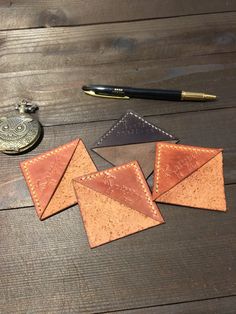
(19, 131)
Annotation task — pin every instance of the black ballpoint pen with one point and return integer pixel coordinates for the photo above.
(119, 92)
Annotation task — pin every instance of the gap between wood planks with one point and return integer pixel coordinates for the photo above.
(115, 22)
(167, 304)
(144, 116)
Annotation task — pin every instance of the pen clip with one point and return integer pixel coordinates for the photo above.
(92, 93)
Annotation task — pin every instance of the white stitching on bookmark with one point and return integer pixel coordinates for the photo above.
(140, 118)
(173, 146)
(138, 174)
(25, 167)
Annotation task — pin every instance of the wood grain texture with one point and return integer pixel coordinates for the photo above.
(61, 100)
(48, 266)
(43, 13)
(213, 306)
(158, 39)
(215, 128)
(48, 49)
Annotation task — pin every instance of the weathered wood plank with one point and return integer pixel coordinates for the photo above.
(58, 92)
(48, 266)
(44, 13)
(214, 306)
(47, 49)
(215, 128)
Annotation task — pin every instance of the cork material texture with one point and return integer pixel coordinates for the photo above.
(105, 219)
(64, 196)
(132, 138)
(49, 176)
(174, 162)
(202, 186)
(126, 185)
(202, 189)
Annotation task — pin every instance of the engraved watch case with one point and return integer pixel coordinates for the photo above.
(19, 131)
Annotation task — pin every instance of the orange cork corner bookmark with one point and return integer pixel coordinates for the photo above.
(189, 176)
(115, 203)
(49, 176)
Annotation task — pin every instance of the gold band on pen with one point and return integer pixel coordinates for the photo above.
(196, 96)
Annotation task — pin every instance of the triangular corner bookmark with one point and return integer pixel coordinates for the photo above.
(189, 176)
(49, 176)
(132, 138)
(115, 203)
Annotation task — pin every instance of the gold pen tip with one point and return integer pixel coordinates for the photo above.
(210, 97)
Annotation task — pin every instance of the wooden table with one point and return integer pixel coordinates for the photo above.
(48, 50)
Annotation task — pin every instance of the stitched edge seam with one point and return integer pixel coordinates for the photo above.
(27, 172)
(148, 197)
(140, 118)
(157, 163)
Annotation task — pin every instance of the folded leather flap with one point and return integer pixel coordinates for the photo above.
(125, 184)
(44, 172)
(64, 196)
(204, 188)
(175, 162)
(132, 129)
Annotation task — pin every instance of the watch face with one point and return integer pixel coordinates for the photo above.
(18, 133)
